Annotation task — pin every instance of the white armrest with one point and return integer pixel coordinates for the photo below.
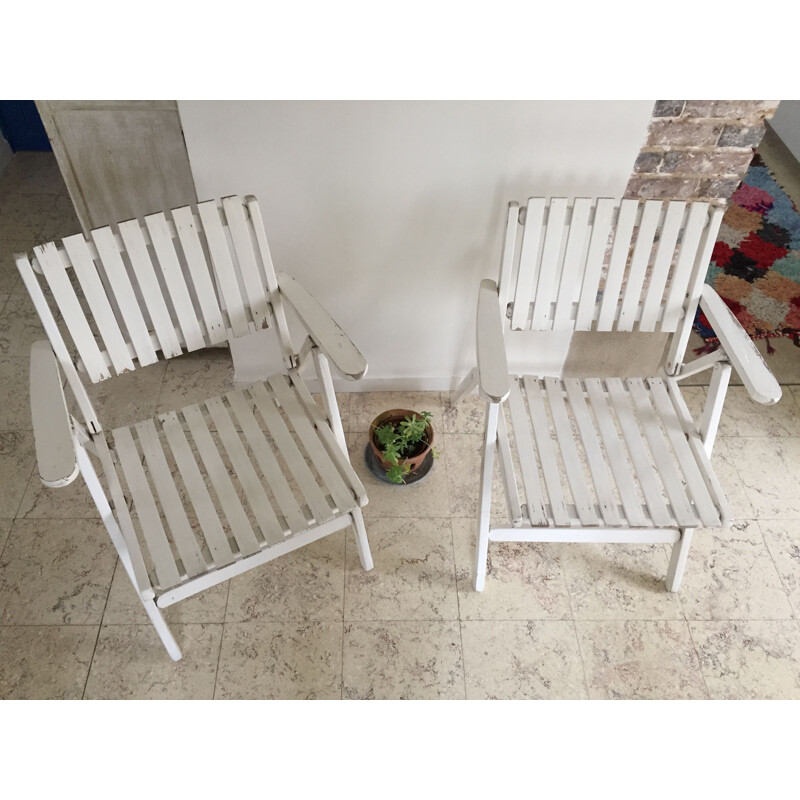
(52, 431)
(739, 348)
(322, 328)
(493, 380)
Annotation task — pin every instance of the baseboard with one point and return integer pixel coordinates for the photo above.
(6, 154)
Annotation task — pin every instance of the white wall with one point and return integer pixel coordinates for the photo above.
(391, 212)
(786, 123)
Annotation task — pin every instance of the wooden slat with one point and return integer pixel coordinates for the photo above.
(71, 311)
(129, 307)
(93, 290)
(546, 451)
(221, 481)
(268, 463)
(527, 457)
(245, 472)
(569, 453)
(509, 250)
(638, 452)
(661, 265)
(145, 505)
(288, 449)
(170, 500)
(323, 428)
(550, 265)
(616, 268)
(493, 377)
(648, 419)
(507, 468)
(243, 245)
(617, 458)
(203, 505)
(526, 275)
(639, 262)
(693, 230)
(594, 455)
(601, 227)
(201, 277)
(574, 259)
(223, 267)
(693, 476)
(342, 495)
(152, 294)
(173, 277)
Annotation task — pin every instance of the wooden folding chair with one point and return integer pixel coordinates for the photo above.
(206, 492)
(596, 458)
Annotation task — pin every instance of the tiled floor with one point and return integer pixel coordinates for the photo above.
(569, 621)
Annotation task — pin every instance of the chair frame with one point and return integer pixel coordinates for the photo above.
(64, 443)
(498, 315)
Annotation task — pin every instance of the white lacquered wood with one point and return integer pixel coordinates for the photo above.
(207, 515)
(665, 253)
(550, 265)
(52, 430)
(529, 256)
(467, 384)
(678, 559)
(574, 262)
(186, 228)
(569, 453)
(712, 411)
(740, 349)
(169, 499)
(485, 504)
(509, 251)
(507, 469)
(546, 451)
(601, 229)
(170, 268)
(638, 266)
(94, 292)
(323, 329)
(493, 379)
(623, 232)
(154, 299)
(221, 481)
(596, 535)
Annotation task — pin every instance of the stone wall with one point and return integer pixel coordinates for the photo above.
(698, 149)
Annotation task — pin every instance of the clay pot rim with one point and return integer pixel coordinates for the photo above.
(398, 414)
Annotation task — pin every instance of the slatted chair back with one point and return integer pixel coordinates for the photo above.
(167, 284)
(605, 264)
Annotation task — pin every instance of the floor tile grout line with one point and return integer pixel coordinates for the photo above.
(99, 628)
(775, 566)
(699, 660)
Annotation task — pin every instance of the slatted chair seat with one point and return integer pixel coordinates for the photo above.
(595, 457)
(204, 493)
(608, 454)
(234, 476)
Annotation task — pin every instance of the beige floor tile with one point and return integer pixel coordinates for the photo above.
(194, 377)
(306, 584)
(749, 660)
(533, 660)
(17, 459)
(730, 575)
(125, 608)
(61, 221)
(414, 574)
(15, 395)
(770, 474)
(403, 661)
(365, 406)
(55, 573)
(10, 280)
(524, 580)
(725, 458)
(782, 538)
(427, 498)
(23, 215)
(281, 661)
(462, 453)
(5, 530)
(619, 582)
(66, 502)
(465, 417)
(125, 399)
(131, 663)
(32, 173)
(640, 660)
(3, 300)
(45, 662)
(19, 327)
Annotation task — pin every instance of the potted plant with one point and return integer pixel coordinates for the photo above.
(401, 441)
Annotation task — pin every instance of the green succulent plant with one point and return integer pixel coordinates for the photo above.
(401, 440)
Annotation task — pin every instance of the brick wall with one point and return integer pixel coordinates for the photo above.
(698, 149)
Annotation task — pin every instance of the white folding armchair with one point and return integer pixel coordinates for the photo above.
(202, 493)
(596, 458)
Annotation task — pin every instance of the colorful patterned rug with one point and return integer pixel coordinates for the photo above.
(755, 265)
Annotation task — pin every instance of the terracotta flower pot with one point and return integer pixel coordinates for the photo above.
(415, 460)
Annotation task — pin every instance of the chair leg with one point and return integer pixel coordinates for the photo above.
(485, 501)
(364, 554)
(465, 387)
(162, 629)
(677, 562)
